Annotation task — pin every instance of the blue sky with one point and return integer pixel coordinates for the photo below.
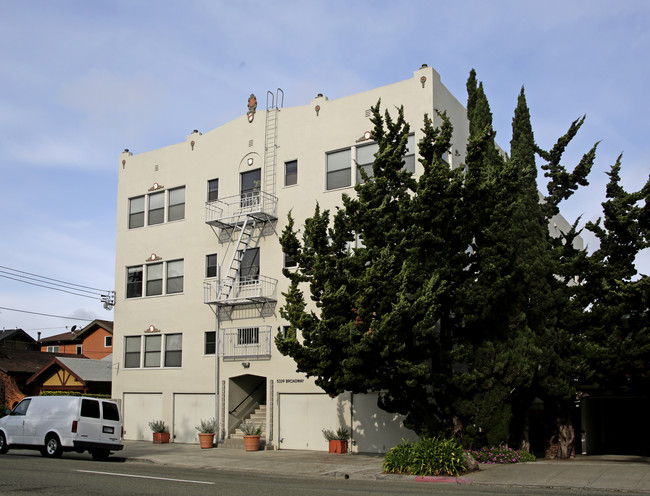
(82, 80)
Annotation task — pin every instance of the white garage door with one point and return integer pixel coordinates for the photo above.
(189, 410)
(303, 417)
(374, 430)
(139, 409)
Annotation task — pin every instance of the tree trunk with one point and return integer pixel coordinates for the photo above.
(561, 444)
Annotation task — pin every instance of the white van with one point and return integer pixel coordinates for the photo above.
(54, 424)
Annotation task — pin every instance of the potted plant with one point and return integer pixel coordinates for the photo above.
(206, 429)
(252, 433)
(160, 432)
(338, 441)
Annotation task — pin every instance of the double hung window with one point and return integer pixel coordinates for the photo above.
(160, 207)
(161, 278)
(153, 351)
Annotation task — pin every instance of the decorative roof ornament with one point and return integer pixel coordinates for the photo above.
(366, 136)
(252, 107)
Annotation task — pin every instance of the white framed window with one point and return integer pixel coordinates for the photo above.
(161, 206)
(211, 265)
(213, 190)
(108, 341)
(52, 349)
(291, 173)
(80, 349)
(153, 351)
(339, 169)
(160, 277)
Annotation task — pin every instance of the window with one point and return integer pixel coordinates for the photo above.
(365, 159)
(52, 349)
(288, 261)
(154, 279)
(175, 277)
(338, 169)
(156, 208)
(213, 190)
(211, 265)
(291, 173)
(171, 272)
(250, 264)
(132, 351)
(250, 188)
(21, 408)
(248, 335)
(89, 408)
(79, 349)
(210, 343)
(108, 341)
(173, 350)
(154, 205)
(110, 411)
(134, 282)
(152, 348)
(176, 204)
(136, 212)
(157, 350)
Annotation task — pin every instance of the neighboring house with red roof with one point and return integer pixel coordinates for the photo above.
(94, 341)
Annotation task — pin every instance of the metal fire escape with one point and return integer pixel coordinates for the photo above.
(243, 218)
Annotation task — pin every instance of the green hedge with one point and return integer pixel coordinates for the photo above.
(73, 393)
(429, 456)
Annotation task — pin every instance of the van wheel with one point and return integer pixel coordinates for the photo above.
(52, 448)
(3, 444)
(100, 455)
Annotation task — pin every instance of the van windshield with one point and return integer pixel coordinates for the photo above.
(21, 408)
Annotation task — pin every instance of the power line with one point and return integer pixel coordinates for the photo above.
(105, 296)
(45, 314)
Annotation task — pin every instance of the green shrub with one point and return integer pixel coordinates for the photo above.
(429, 456)
(501, 454)
(75, 393)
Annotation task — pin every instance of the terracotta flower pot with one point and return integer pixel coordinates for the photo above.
(160, 437)
(252, 443)
(338, 446)
(206, 440)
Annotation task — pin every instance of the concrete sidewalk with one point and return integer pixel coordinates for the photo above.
(619, 473)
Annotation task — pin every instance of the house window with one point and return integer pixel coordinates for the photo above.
(210, 343)
(250, 188)
(79, 349)
(365, 159)
(291, 173)
(108, 341)
(136, 212)
(288, 261)
(175, 277)
(154, 205)
(156, 208)
(152, 351)
(154, 279)
(338, 169)
(173, 350)
(132, 352)
(409, 155)
(173, 271)
(176, 204)
(134, 282)
(248, 335)
(155, 348)
(52, 349)
(250, 265)
(213, 190)
(211, 265)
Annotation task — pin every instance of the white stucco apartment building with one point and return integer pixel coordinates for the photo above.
(198, 264)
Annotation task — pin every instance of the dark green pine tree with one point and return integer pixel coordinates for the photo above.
(378, 307)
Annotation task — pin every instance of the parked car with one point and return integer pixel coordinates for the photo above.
(54, 424)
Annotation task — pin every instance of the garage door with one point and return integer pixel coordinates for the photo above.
(189, 410)
(374, 430)
(139, 409)
(303, 417)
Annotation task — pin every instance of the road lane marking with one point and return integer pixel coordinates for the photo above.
(145, 477)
